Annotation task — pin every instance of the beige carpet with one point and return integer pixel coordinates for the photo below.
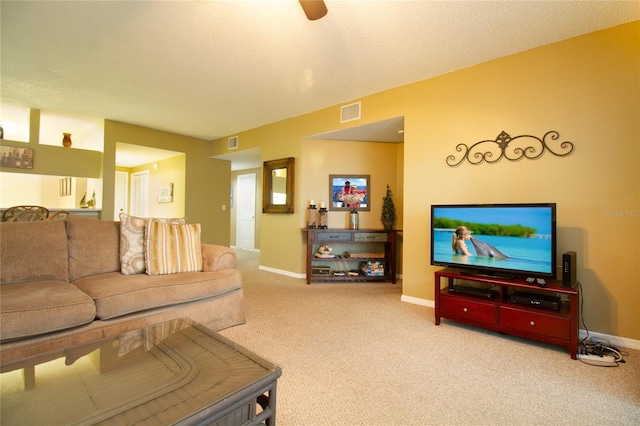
(354, 354)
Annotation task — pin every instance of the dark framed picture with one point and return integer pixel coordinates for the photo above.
(349, 192)
(13, 156)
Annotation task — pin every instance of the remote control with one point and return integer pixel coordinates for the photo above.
(531, 280)
(541, 282)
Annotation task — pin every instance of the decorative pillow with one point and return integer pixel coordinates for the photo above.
(171, 248)
(132, 230)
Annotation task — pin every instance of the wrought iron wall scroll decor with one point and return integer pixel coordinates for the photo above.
(531, 147)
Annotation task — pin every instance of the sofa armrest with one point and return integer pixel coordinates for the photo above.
(216, 258)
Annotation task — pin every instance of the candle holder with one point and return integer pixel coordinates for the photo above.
(322, 218)
(311, 216)
(353, 219)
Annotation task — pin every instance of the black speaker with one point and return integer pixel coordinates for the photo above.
(569, 269)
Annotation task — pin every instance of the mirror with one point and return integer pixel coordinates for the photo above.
(277, 185)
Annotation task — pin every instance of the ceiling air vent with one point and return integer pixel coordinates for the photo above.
(232, 143)
(350, 112)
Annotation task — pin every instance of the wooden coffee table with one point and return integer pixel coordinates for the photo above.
(176, 372)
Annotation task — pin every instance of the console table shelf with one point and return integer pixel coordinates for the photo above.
(499, 313)
(372, 246)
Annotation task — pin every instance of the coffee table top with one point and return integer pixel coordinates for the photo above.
(161, 374)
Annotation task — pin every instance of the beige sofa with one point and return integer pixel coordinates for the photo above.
(61, 284)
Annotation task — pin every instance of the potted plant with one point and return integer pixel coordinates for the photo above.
(388, 216)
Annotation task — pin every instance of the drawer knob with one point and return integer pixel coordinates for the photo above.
(464, 309)
(531, 323)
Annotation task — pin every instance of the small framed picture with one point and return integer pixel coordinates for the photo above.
(165, 193)
(21, 158)
(65, 187)
(349, 192)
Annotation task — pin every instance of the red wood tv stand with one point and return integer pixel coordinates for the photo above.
(499, 313)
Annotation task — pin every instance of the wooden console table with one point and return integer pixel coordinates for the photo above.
(365, 246)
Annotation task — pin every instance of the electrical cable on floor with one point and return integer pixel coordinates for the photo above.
(612, 356)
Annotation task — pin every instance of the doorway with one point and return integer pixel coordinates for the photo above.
(161, 166)
(246, 211)
(121, 194)
(139, 201)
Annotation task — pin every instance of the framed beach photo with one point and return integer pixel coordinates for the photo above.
(349, 192)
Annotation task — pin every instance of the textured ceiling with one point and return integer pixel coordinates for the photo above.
(213, 68)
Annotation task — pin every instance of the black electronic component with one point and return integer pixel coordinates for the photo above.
(536, 300)
(472, 291)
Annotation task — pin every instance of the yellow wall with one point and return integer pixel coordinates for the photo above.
(586, 88)
(55, 160)
(206, 183)
(282, 230)
(170, 170)
(278, 234)
(40, 184)
(17, 189)
(321, 158)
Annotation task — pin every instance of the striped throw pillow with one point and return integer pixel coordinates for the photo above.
(132, 230)
(172, 248)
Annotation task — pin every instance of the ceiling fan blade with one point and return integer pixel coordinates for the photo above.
(314, 9)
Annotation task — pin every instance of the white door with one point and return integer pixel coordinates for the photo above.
(122, 193)
(246, 211)
(140, 194)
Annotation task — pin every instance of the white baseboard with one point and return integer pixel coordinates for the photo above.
(292, 274)
(613, 340)
(281, 272)
(417, 301)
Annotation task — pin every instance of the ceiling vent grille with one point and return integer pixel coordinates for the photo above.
(350, 112)
(232, 143)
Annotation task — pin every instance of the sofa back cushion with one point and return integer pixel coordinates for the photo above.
(94, 246)
(33, 251)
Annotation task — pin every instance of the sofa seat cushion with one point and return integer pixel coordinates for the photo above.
(115, 294)
(38, 307)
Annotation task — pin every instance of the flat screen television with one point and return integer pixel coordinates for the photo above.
(506, 240)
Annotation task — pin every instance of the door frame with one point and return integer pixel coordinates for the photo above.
(139, 194)
(240, 202)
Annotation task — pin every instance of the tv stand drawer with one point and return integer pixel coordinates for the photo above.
(534, 322)
(471, 310)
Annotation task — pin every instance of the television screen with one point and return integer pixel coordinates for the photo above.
(496, 239)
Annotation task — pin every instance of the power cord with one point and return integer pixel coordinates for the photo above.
(612, 356)
(588, 346)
